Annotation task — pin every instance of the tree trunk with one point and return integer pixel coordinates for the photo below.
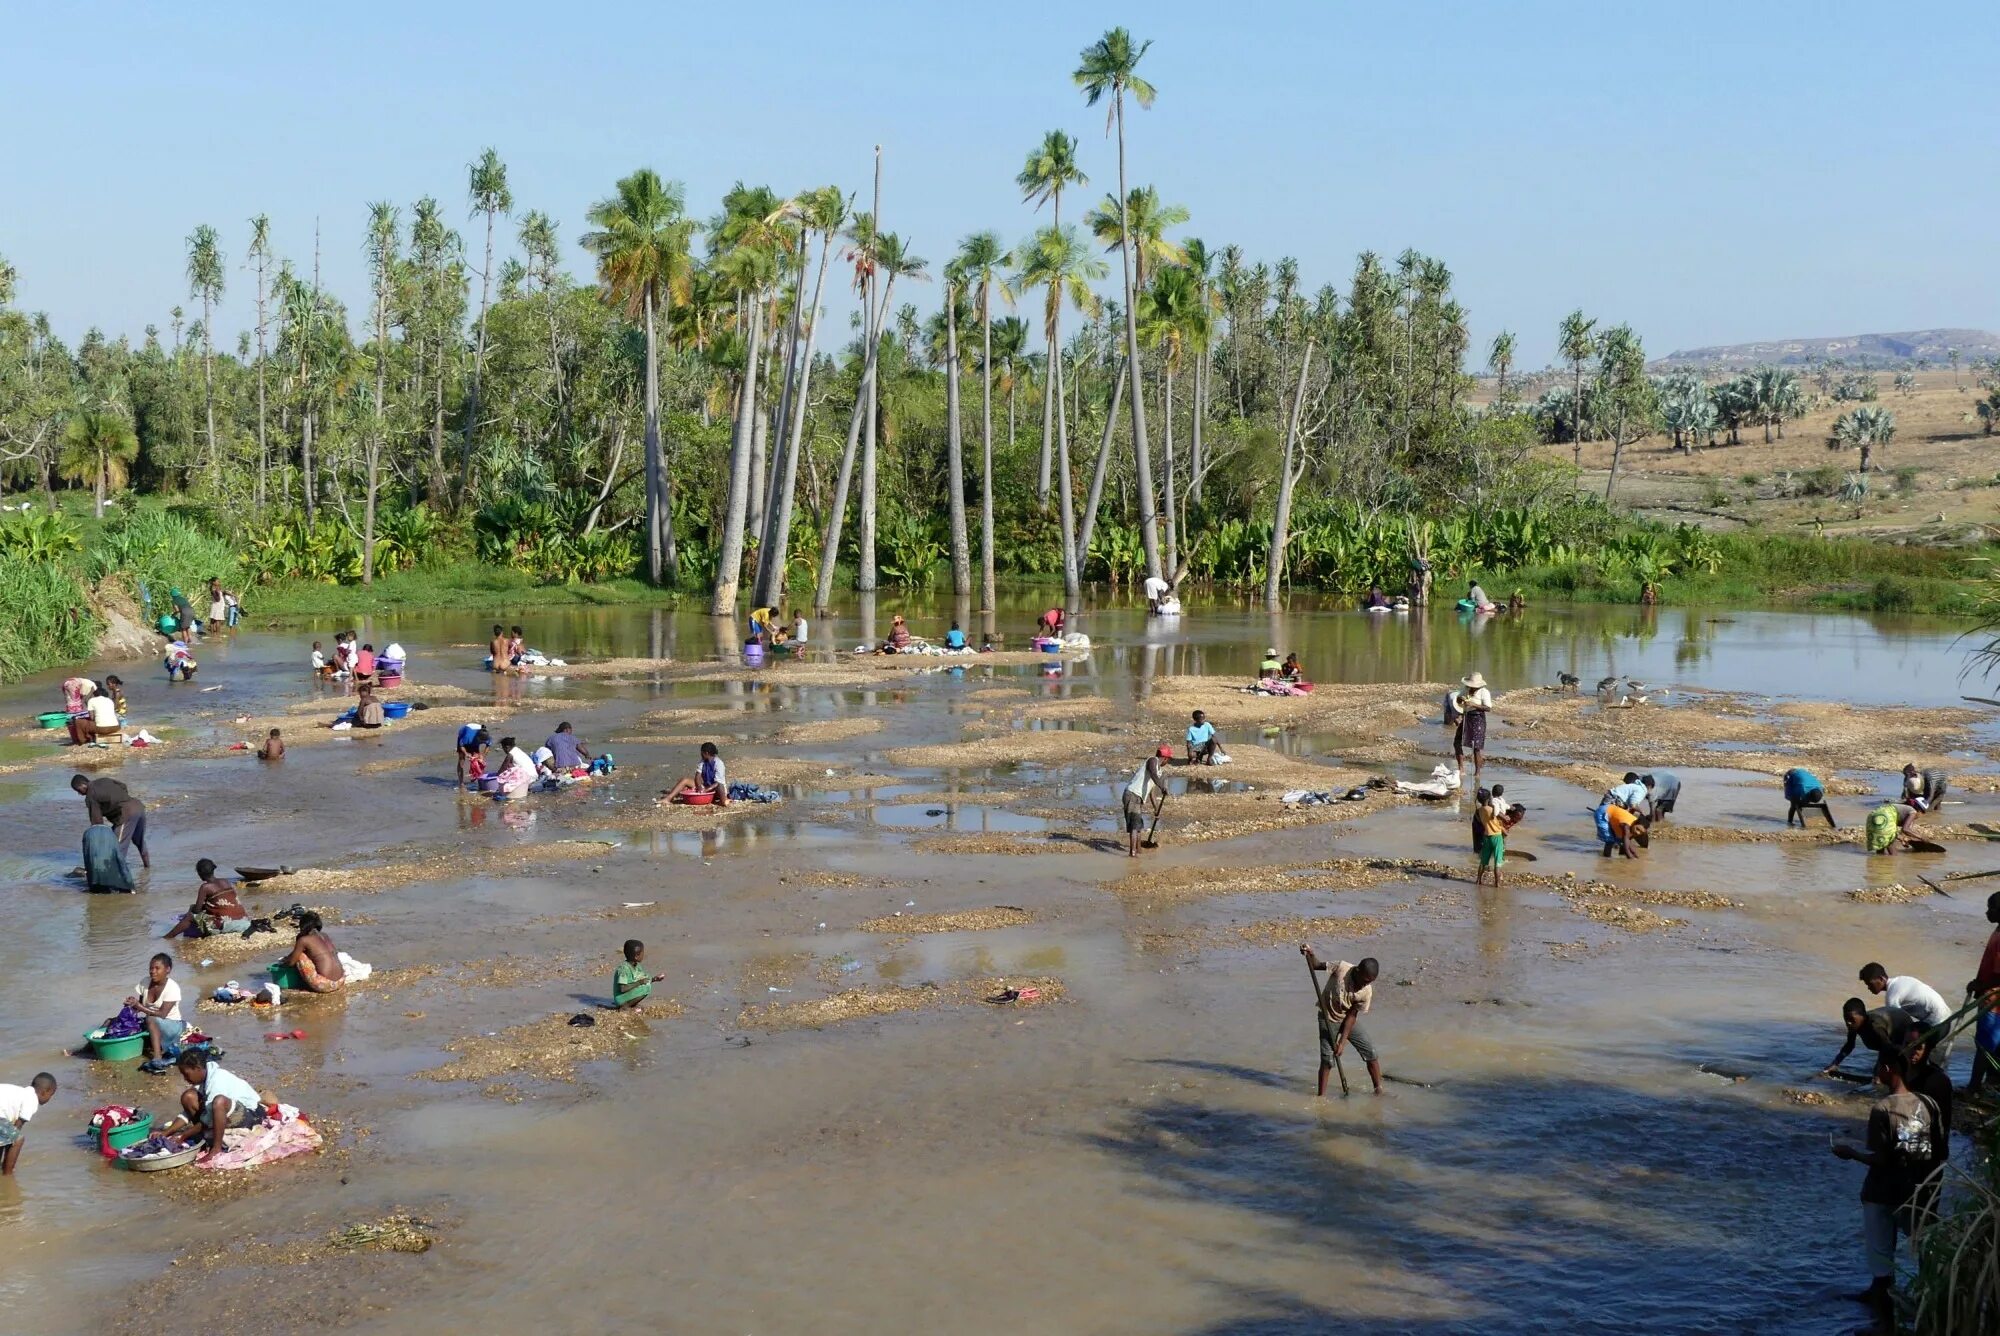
(961, 554)
(1046, 463)
(777, 546)
(1195, 455)
(263, 445)
(864, 579)
(306, 466)
(837, 512)
(479, 371)
(1103, 464)
(1142, 456)
(1173, 552)
(742, 444)
(655, 473)
(1066, 505)
(986, 595)
(1576, 414)
(1288, 476)
(760, 445)
(208, 389)
(1617, 453)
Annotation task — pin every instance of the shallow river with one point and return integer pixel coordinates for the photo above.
(1143, 1155)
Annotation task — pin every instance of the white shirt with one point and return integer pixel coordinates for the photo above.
(1141, 785)
(103, 713)
(1481, 699)
(1631, 797)
(319, 660)
(1155, 587)
(230, 1086)
(1917, 998)
(170, 998)
(18, 1103)
(799, 630)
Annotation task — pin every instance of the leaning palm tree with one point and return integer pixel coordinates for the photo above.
(822, 212)
(1050, 169)
(486, 186)
(1058, 261)
(98, 448)
(1108, 66)
(750, 268)
(979, 261)
(1575, 341)
(642, 243)
(204, 275)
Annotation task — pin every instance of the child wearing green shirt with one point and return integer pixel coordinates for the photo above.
(630, 984)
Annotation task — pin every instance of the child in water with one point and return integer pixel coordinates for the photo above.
(273, 748)
(630, 983)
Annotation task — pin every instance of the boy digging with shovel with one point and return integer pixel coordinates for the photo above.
(1145, 787)
(1349, 991)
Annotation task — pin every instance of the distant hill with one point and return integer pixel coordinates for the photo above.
(1931, 345)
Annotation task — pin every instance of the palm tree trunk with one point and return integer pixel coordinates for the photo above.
(836, 513)
(1047, 459)
(306, 466)
(1142, 456)
(1011, 380)
(742, 444)
(1103, 465)
(1167, 443)
(1576, 415)
(777, 545)
(263, 446)
(1066, 508)
(655, 472)
(986, 597)
(1617, 452)
(479, 372)
(961, 554)
(1195, 458)
(1288, 476)
(760, 447)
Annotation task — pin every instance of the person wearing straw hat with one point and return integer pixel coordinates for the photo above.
(1271, 665)
(1474, 703)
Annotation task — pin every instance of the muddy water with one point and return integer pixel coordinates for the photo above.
(1144, 1154)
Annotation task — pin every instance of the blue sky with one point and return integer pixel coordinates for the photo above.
(1708, 172)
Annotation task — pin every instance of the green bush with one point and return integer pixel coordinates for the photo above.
(1892, 593)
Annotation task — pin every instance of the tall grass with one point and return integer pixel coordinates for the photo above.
(159, 551)
(45, 617)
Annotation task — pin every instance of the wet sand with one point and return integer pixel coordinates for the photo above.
(826, 1115)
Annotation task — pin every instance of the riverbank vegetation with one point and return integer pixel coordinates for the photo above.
(1103, 398)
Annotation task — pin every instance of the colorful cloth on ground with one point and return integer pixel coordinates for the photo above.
(740, 792)
(273, 1139)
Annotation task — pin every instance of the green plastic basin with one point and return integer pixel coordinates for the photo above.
(285, 976)
(131, 1134)
(116, 1050)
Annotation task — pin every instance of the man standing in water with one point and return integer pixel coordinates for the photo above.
(1349, 991)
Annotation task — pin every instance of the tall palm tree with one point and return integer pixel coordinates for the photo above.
(99, 447)
(1574, 341)
(823, 211)
(382, 261)
(1201, 262)
(205, 279)
(1500, 360)
(750, 268)
(980, 257)
(644, 263)
(1010, 349)
(260, 254)
(486, 186)
(1058, 261)
(1050, 169)
(956, 281)
(755, 217)
(1109, 66)
(1174, 319)
(1147, 220)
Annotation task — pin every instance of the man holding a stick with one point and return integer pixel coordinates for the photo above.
(1349, 991)
(1145, 789)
